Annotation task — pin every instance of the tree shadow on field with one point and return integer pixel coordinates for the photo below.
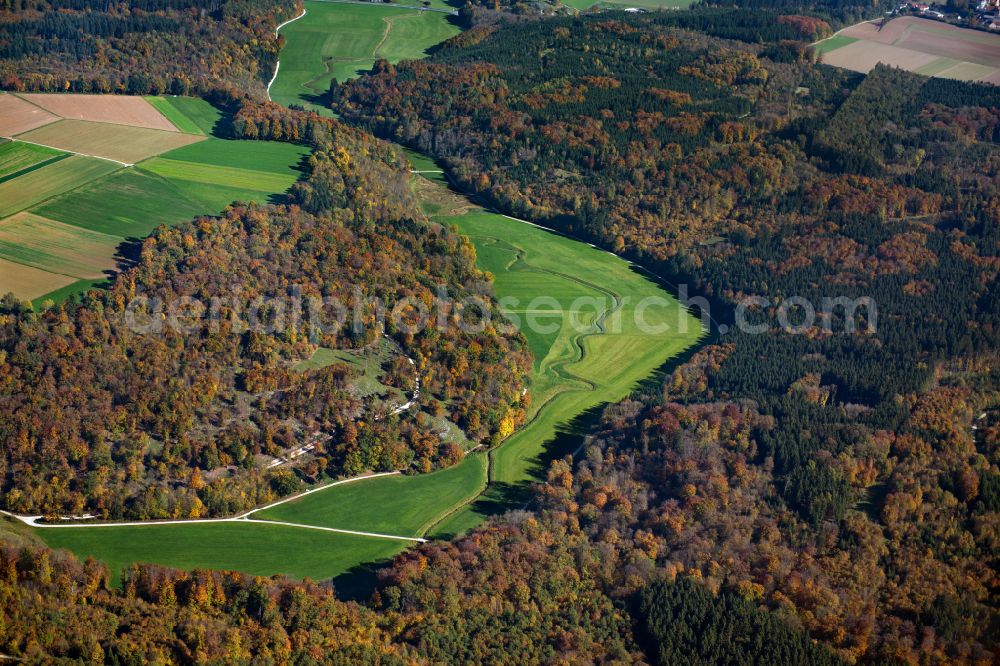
(359, 582)
(128, 253)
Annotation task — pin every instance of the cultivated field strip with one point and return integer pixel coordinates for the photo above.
(114, 109)
(918, 45)
(17, 115)
(64, 215)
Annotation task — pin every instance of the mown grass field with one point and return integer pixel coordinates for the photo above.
(340, 40)
(615, 342)
(253, 548)
(402, 505)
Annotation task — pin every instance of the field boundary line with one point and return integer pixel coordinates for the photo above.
(377, 535)
(450, 12)
(317, 489)
(32, 521)
(277, 63)
(846, 27)
(33, 167)
(71, 152)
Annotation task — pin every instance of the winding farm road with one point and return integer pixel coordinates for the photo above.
(277, 65)
(33, 521)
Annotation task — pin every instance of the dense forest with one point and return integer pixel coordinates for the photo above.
(153, 47)
(103, 413)
(825, 467)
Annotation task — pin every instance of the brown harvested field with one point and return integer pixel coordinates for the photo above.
(115, 109)
(920, 45)
(934, 37)
(18, 116)
(52, 246)
(28, 282)
(863, 56)
(116, 142)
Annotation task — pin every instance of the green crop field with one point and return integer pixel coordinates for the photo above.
(41, 184)
(401, 505)
(188, 114)
(267, 156)
(339, 40)
(210, 174)
(113, 203)
(130, 203)
(253, 548)
(17, 157)
(58, 248)
(834, 43)
(368, 364)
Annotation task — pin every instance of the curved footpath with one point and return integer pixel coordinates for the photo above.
(33, 521)
(277, 65)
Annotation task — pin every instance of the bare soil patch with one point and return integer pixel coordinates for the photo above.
(115, 109)
(18, 116)
(27, 282)
(116, 142)
(915, 43)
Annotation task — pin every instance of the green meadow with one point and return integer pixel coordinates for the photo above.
(834, 43)
(615, 327)
(253, 548)
(340, 40)
(188, 114)
(401, 505)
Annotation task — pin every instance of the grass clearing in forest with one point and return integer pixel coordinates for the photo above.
(597, 360)
(340, 40)
(253, 548)
(404, 505)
